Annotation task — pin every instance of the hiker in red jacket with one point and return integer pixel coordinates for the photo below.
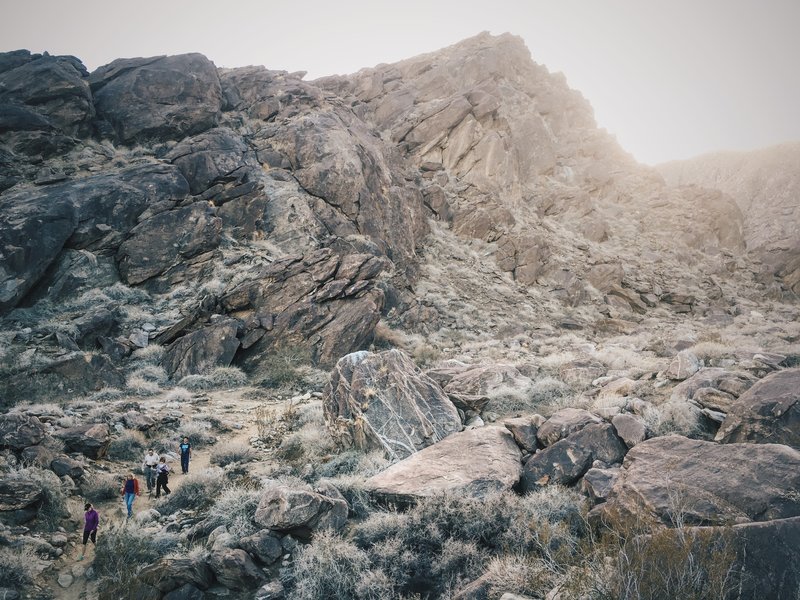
(130, 489)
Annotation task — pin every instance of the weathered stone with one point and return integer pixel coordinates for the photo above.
(90, 440)
(684, 365)
(263, 545)
(37, 455)
(714, 399)
(597, 483)
(471, 389)
(18, 494)
(674, 478)
(472, 463)
(768, 412)
(631, 428)
(235, 570)
(202, 350)
(601, 440)
(384, 401)
(581, 372)
(158, 98)
(563, 423)
(524, 430)
(18, 431)
(136, 420)
(168, 574)
(300, 510)
(209, 158)
(734, 383)
(270, 591)
(64, 465)
(561, 463)
(153, 247)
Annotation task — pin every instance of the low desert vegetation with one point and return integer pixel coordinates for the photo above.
(100, 487)
(127, 445)
(197, 491)
(216, 379)
(283, 367)
(17, 567)
(234, 508)
(230, 453)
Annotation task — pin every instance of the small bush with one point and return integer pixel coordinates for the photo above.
(142, 387)
(99, 487)
(330, 567)
(179, 395)
(127, 446)
(149, 355)
(152, 373)
(197, 491)
(234, 507)
(123, 551)
(281, 368)
(232, 452)
(16, 567)
(106, 395)
(219, 378)
(310, 443)
(199, 432)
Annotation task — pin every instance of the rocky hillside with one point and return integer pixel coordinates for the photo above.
(766, 187)
(245, 255)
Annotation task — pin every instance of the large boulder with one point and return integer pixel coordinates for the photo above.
(263, 545)
(202, 350)
(733, 383)
(675, 479)
(473, 463)
(562, 463)
(159, 98)
(235, 570)
(601, 440)
(90, 440)
(563, 423)
(769, 412)
(383, 401)
(53, 87)
(300, 510)
(168, 574)
(17, 431)
(19, 499)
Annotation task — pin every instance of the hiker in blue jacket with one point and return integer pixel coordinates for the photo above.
(186, 453)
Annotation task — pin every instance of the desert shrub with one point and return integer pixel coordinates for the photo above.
(676, 417)
(199, 432)
(122, 552)
(149, 355)
(281, 368)
(309, 443)
(329, 567)
(141, 386)
(179, 395)
(234, 507)
(121, 293)
(275, 422)
(524, 574)
(197, 491)
(359, 501)
(128, 446)
(100, 486)
(232, 452)
(219, 378)
(16, 567)
(150, 372)
(106, 395)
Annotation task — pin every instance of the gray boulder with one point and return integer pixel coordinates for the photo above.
(524, 430)
(684, 365)
(202, 350)
(472, 388)
(159, 98)
(235, 570)
(90, 440)
(18, 431)
(474, 463)
(383, 401)
(168, 574)
(598, 483)
(263, 545)
(561, 463)
(301, 510)
(601, 440)
(768, 412)
(64, 465)
(631, 428)
(563, 423)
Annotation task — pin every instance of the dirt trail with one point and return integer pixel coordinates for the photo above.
(113, 512)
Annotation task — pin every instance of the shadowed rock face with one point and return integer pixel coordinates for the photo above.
(473, 463)
(768, 412)
(382, 401)
(674, 479)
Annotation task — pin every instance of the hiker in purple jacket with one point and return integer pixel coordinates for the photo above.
(90, 528)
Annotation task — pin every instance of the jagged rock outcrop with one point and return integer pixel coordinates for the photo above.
(18, 431)
(164, 97)
(90, 440)
(301, 510)
(674, 479)
(474, 463)
(383, 401)
(768, 412)
(202, 350)
(766, 186)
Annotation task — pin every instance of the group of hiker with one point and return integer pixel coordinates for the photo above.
(156, 472)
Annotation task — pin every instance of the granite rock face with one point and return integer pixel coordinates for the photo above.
(474, 463)
(383, 401)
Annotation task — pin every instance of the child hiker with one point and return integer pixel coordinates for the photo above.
(162, 477)
(92, 520)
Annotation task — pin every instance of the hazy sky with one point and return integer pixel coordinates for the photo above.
(670, 78)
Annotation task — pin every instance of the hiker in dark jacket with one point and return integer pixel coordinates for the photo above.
(186, 453)
(130, 489)
(92, 520)
(162, 477)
